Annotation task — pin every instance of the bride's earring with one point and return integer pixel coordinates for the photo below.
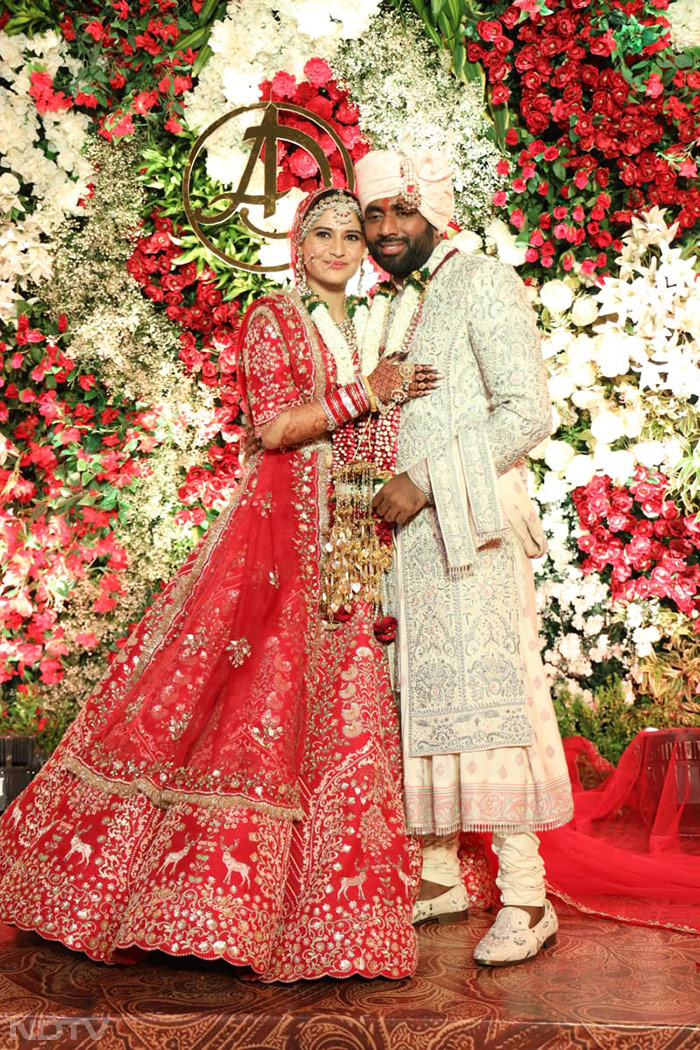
(300, 275)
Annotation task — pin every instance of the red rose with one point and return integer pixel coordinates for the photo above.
(489, 30)
(499, 94)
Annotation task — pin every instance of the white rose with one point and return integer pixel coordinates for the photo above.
(580, 470)
(561, 387)
(649, 453)
(607, 427)
(508, 250)
(617, 465)
(558, 455)
(467, 241)
(613, 354)
(556, 296)
(584, 311)
(552, 489)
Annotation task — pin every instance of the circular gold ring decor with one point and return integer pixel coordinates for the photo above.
(265, 135)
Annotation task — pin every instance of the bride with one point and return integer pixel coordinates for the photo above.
(233, 788)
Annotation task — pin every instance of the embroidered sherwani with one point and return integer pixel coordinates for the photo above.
(481, 745)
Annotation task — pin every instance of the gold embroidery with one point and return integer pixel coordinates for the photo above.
(240, 650)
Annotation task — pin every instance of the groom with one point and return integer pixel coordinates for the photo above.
(481, 745)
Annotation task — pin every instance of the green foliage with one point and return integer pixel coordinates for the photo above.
(31, 17)
(609, 722)
(161, 175)
(685, 483)
(23, 715)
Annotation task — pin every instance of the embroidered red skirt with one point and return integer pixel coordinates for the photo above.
(328, 895)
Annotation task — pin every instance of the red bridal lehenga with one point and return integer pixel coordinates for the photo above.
(233, 789)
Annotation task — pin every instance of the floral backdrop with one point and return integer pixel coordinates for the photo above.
(573, 127)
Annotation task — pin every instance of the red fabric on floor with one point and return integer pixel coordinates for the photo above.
(632, 851)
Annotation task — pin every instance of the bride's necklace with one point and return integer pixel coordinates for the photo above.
(343, 339)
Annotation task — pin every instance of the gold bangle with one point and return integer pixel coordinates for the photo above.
(370, 394)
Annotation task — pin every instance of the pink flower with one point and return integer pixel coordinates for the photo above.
(88, 639)
(303, 164)
(654, 86)
(499, 198)
(317, 71)
(284, 85)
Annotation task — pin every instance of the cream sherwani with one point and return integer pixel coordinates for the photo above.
(481, 744)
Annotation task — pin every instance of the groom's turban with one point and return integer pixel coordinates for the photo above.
(422, 180)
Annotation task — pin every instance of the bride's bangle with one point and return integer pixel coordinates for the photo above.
(345, 403)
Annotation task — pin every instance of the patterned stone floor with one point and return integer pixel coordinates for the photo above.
(604, 985)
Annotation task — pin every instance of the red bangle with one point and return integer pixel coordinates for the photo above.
(345, 403)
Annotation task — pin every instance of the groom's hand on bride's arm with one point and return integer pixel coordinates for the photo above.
(399, 499)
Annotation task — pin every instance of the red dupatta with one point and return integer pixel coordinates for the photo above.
(207, 702)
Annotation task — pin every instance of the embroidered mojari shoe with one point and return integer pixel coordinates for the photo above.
(450, 906)
(511, 940)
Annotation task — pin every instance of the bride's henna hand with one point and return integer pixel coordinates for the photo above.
(386, 379)
(295, 425)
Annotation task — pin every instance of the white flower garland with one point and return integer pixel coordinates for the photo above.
(370, 327)
(337, 344)
(398, 329)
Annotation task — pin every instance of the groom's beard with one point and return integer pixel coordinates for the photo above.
(416, 253)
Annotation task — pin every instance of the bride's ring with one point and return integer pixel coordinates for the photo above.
(407, 371)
